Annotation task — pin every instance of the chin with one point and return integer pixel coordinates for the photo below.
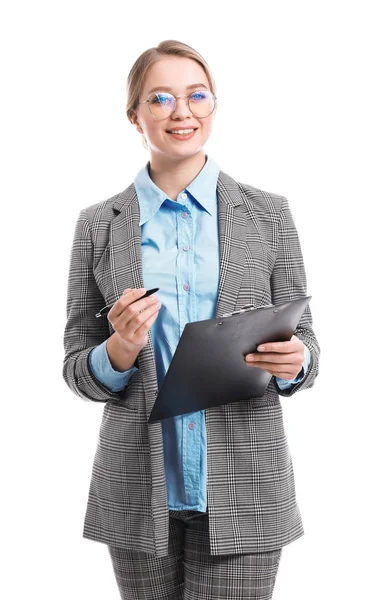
(183, 152)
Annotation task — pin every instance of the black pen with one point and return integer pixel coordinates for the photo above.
(105, 309)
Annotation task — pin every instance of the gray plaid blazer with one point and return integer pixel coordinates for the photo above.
(252, 503)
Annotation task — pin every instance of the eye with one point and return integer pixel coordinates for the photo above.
(161, 99)
(198, 96)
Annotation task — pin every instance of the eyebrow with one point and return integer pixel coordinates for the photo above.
(165, 88)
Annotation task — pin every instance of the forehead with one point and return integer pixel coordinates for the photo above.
(175, 74)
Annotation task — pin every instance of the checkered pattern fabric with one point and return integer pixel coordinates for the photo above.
(252, 503)
(190, 572)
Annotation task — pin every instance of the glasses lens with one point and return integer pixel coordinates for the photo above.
(201, 103)
(162, 105)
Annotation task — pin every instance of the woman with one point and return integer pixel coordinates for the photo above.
(198, 505)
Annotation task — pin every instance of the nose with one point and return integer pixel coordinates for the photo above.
(182, 110)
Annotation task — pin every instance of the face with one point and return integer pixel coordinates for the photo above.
(176, 73)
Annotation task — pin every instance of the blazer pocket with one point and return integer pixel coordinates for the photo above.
(127, 405)
(133, 394)
(259, 402)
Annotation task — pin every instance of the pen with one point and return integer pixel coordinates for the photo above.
(105, 309)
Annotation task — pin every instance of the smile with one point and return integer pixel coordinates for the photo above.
(182, 134)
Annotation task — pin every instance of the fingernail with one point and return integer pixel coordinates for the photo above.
(250, 357)
(261, 348)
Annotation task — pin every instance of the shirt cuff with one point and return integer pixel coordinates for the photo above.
(102, 369)
(285, 384)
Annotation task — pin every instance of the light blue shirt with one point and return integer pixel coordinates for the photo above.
(180, 255)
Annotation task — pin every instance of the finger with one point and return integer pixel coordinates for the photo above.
(276, 366)
(144, 303)
(272, 357)
(279, 368)
(146, 326)
(129, 296)
(288, 375)
(132, 311)
(291, 345)
(135, 320)
(137, 336)
(281, 347)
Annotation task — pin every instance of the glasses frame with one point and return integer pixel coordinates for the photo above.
(187, 96)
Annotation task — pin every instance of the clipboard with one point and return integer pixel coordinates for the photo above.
(208, 367)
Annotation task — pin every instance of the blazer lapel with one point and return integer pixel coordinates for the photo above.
(125, 241)
(126, 260)
(232, 240)
(126, 272)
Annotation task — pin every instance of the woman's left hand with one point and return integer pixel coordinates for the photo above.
(282, 359)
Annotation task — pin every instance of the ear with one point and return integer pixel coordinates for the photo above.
(133, 117)
(135, 122)
(138, 128)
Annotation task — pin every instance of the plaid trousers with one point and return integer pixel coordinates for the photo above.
(190, 572)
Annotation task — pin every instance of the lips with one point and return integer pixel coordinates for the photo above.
(182, 136)
(179, 128)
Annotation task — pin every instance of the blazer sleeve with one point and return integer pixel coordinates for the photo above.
(288, 282)
(83, 331)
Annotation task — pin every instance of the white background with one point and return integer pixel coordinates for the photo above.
(304, 111)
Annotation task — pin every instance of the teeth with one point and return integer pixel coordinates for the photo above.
(182, 131)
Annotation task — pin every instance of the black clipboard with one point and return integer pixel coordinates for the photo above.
(208, 367)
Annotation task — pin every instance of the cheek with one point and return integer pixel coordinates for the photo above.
(206, 127)
(151, 128)
(155, 136)
(154, 130)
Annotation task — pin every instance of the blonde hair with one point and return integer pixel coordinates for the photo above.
(138, 73)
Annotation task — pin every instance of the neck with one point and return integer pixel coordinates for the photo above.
(173, 176)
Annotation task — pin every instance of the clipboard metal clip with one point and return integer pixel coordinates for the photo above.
(246, 308)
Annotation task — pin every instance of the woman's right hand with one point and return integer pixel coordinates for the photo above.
(132, 316)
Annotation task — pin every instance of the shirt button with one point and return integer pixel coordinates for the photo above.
(186, 248)
(184, 196)
(184, 215)
(192, 425)
(186, 286)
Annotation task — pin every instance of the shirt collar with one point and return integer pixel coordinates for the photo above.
(202, 189)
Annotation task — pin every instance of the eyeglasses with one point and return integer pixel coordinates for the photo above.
(162, 104)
